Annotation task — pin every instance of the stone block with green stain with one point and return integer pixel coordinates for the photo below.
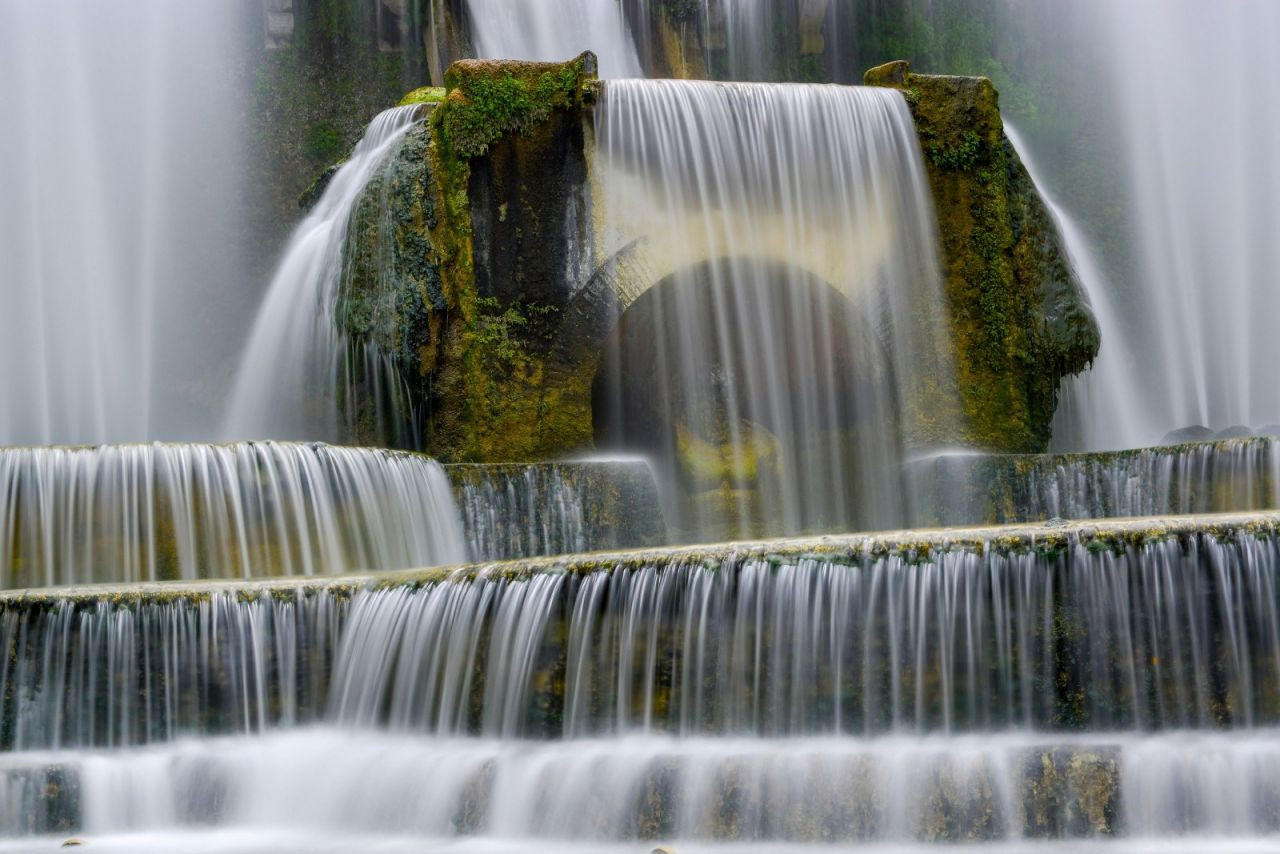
(461, 280)
(1020, 318)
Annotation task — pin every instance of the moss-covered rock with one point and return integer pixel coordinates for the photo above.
(460, 258)
(1019, 315)
(423, 95)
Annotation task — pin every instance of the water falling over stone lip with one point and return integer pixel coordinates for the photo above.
(1025, 535)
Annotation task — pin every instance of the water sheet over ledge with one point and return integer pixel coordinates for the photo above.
(133, 513)
(130, 513)
(1227, 475)
(519, 510)
(1124, 625)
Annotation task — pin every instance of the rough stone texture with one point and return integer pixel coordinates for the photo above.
(464, 248)
(393, 295)
(1020, 317)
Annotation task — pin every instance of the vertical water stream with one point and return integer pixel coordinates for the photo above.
(298, 362)
(120, 252)
(554, 31)
(787, 330)
(995, 692)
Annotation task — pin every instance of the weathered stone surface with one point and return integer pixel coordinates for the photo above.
(463, 252)
(1096, 535)
(1020, 318)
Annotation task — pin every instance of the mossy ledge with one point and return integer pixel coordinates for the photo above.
(1094, 535)
(1020, 319)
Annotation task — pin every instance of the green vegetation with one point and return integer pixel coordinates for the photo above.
(423, 95)
(488, 101)
(475, 362)
(1019, 319)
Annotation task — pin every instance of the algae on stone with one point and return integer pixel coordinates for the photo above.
(454, 270)
(1020, 319)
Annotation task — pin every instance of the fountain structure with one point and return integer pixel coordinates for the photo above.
(674, 347)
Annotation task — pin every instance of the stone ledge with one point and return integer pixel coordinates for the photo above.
(1109, 533)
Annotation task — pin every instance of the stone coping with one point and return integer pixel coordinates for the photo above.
(1018, 538)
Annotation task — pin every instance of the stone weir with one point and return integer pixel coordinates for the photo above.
(966, 684)
(1116, 625)
(1227, 475)
(133, 513)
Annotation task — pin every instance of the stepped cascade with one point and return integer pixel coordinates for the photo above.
(1044, 682)
(1207, 477)
(153, 512)
(634, 465)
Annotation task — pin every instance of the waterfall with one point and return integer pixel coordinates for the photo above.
(329, 790)
(1083, 684)
(1096, 634)
(1133, 417)
(298, 363)
(554, 31)
(122, 164)
(515, 511)
(151, 512)
(1211, 477)
(784, 340)
(1186, 325)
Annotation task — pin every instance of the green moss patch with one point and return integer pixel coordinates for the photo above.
(1019, 317)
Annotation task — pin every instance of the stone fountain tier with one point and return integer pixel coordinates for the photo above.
(1045, 538)
(121, 513)
(1072, 721)
(1226, 475)
(1106, 625)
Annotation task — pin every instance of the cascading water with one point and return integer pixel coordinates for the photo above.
(765, 39)
(962, 488)
(151, 512)
(515, 511)
(296, 372)
(1071, 688)
(1111, 385)
(786, 334)
(780, 348)
(121, 165)
(1187, 337)
(555, 30)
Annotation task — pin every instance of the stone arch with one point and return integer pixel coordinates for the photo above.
(828, 255)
